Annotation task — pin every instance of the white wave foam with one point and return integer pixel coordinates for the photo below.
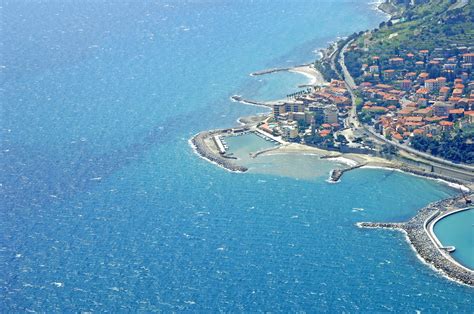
(344, 160)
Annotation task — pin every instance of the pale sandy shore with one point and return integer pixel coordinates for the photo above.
(316, 78)
(300, 148)
(350, 159)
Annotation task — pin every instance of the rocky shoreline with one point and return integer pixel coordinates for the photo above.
(420, 237)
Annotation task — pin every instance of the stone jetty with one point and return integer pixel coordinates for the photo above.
(251, 102)
(420, 236)
(273, 70)
(204, 145)
(336, 174)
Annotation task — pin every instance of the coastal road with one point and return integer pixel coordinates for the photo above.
(450, 165)
(354, 121)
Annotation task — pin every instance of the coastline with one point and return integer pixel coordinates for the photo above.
(315, 77)
(415, 230)
(201, 146)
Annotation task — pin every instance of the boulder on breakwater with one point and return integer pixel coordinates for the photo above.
(203, 149)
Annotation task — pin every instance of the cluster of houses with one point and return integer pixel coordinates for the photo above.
(423, 92)
(319, 110)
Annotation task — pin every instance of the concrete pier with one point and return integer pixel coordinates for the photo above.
(219, 144)
(271, 136)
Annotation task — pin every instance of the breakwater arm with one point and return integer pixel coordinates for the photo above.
(273, 70)
(204, 144)
(252, 102)
(336, 174)
(420, 236)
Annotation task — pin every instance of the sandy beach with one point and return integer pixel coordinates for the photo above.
(300, 148)
(310, 72)
(349, 159)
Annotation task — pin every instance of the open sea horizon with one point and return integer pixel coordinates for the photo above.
(105, 206)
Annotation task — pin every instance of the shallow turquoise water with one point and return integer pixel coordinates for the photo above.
(106, 207)
(298, 166)
(244, 145)
(458, 230)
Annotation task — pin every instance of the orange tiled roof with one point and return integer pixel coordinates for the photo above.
(414, 119)
(456, 111)
(397, 136)
(422, 91)
(446, 123)
(384, 86)
(424, 110)
(324, 133)
(406, 111)
(414, 123)
(434, 119)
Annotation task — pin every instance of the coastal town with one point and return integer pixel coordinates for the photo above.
(237, 156)
(404, 108)
(412, 107)
(422, 96)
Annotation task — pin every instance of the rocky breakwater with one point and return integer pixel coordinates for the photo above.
(204, 145)
(336, 174)
(420, 237)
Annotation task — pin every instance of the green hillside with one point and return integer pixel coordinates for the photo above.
(435, 24)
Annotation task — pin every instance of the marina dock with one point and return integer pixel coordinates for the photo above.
(219, 144)
(270, 136)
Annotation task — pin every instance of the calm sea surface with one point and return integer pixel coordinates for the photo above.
(458, 230)
(104, 205)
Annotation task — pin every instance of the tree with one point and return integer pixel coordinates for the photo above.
(388, 150)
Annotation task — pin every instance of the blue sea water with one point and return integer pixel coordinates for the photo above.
(104, 205)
